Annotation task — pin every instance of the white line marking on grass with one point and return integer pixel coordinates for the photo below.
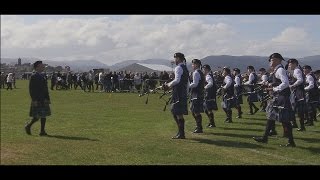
(282, 157)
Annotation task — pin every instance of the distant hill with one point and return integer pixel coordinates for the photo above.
(216, 62)
(123, 64)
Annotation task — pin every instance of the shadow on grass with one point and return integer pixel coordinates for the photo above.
(309, 140)
(225, 143)
(72, 138)
(314, 150)
(255, 118)
(252, 123)
(242, 129)
(246, 136)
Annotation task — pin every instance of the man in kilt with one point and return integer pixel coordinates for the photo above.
(238, 90)
(297, 89)
(210, 95)
(196, 98)
(179, 100)
(228, 97)
(262, 94)
(38, 89)
(252, 97)
(279, 107)
(312, 95)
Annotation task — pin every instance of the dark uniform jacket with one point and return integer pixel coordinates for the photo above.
(179, 91)
(38, 88)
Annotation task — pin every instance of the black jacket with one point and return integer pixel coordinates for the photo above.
(38, 88)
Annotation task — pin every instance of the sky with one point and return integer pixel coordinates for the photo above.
(115, 38)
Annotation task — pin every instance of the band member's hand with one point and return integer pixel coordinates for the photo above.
(34, 103)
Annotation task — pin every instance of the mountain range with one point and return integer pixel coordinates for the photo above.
(216, 62)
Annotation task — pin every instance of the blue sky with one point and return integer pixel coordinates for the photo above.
(114, 38)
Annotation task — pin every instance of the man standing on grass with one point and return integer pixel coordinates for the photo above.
(210, 92)
(279, 107)
(179, 93)
(238, 90)
(228, 99)
(252, 97)
(197, 87)
(297, 88)
(38, 89)
(312, 95)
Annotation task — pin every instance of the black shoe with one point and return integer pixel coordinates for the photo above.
(271, 133)
(261, 139)
(292, 144)
(211, 125)
(301, 129)
(262, 110)
(198, 131)
(239, 117)
(28, 129)
(178, 137)
(250, 113)
(228, 120)
(43, 134)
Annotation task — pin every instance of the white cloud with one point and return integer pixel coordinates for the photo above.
(137, 37)
(292, 42)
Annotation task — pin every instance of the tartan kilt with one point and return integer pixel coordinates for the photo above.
(239, 100)
(41, 110)
(253, 97)
(279, 114)
(228, 102)
(196, 106)
(180, 107)
(210, 105)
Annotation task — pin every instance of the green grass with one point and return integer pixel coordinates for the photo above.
(120, 129)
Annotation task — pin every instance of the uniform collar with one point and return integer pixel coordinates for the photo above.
(277, 67)
(180, 64)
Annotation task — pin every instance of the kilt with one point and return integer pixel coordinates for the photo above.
(276, 112)
(239, 100)
(210, 105)
(196, 106)
(252, 97)
(228, 102)
(180, 107)
(42, 110)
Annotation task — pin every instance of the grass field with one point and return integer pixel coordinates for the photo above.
(120, 129)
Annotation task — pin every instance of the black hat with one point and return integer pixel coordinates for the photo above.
(293, 61)
(236, 70)
(179, 55)
(250, 67)
(307, 67)
(262, 69)
(206, 66)
(196, 61)
(227, 69)
(36, 64)
(275, 55)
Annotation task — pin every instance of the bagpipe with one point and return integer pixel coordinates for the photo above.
(259, 89)
(155, 90)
